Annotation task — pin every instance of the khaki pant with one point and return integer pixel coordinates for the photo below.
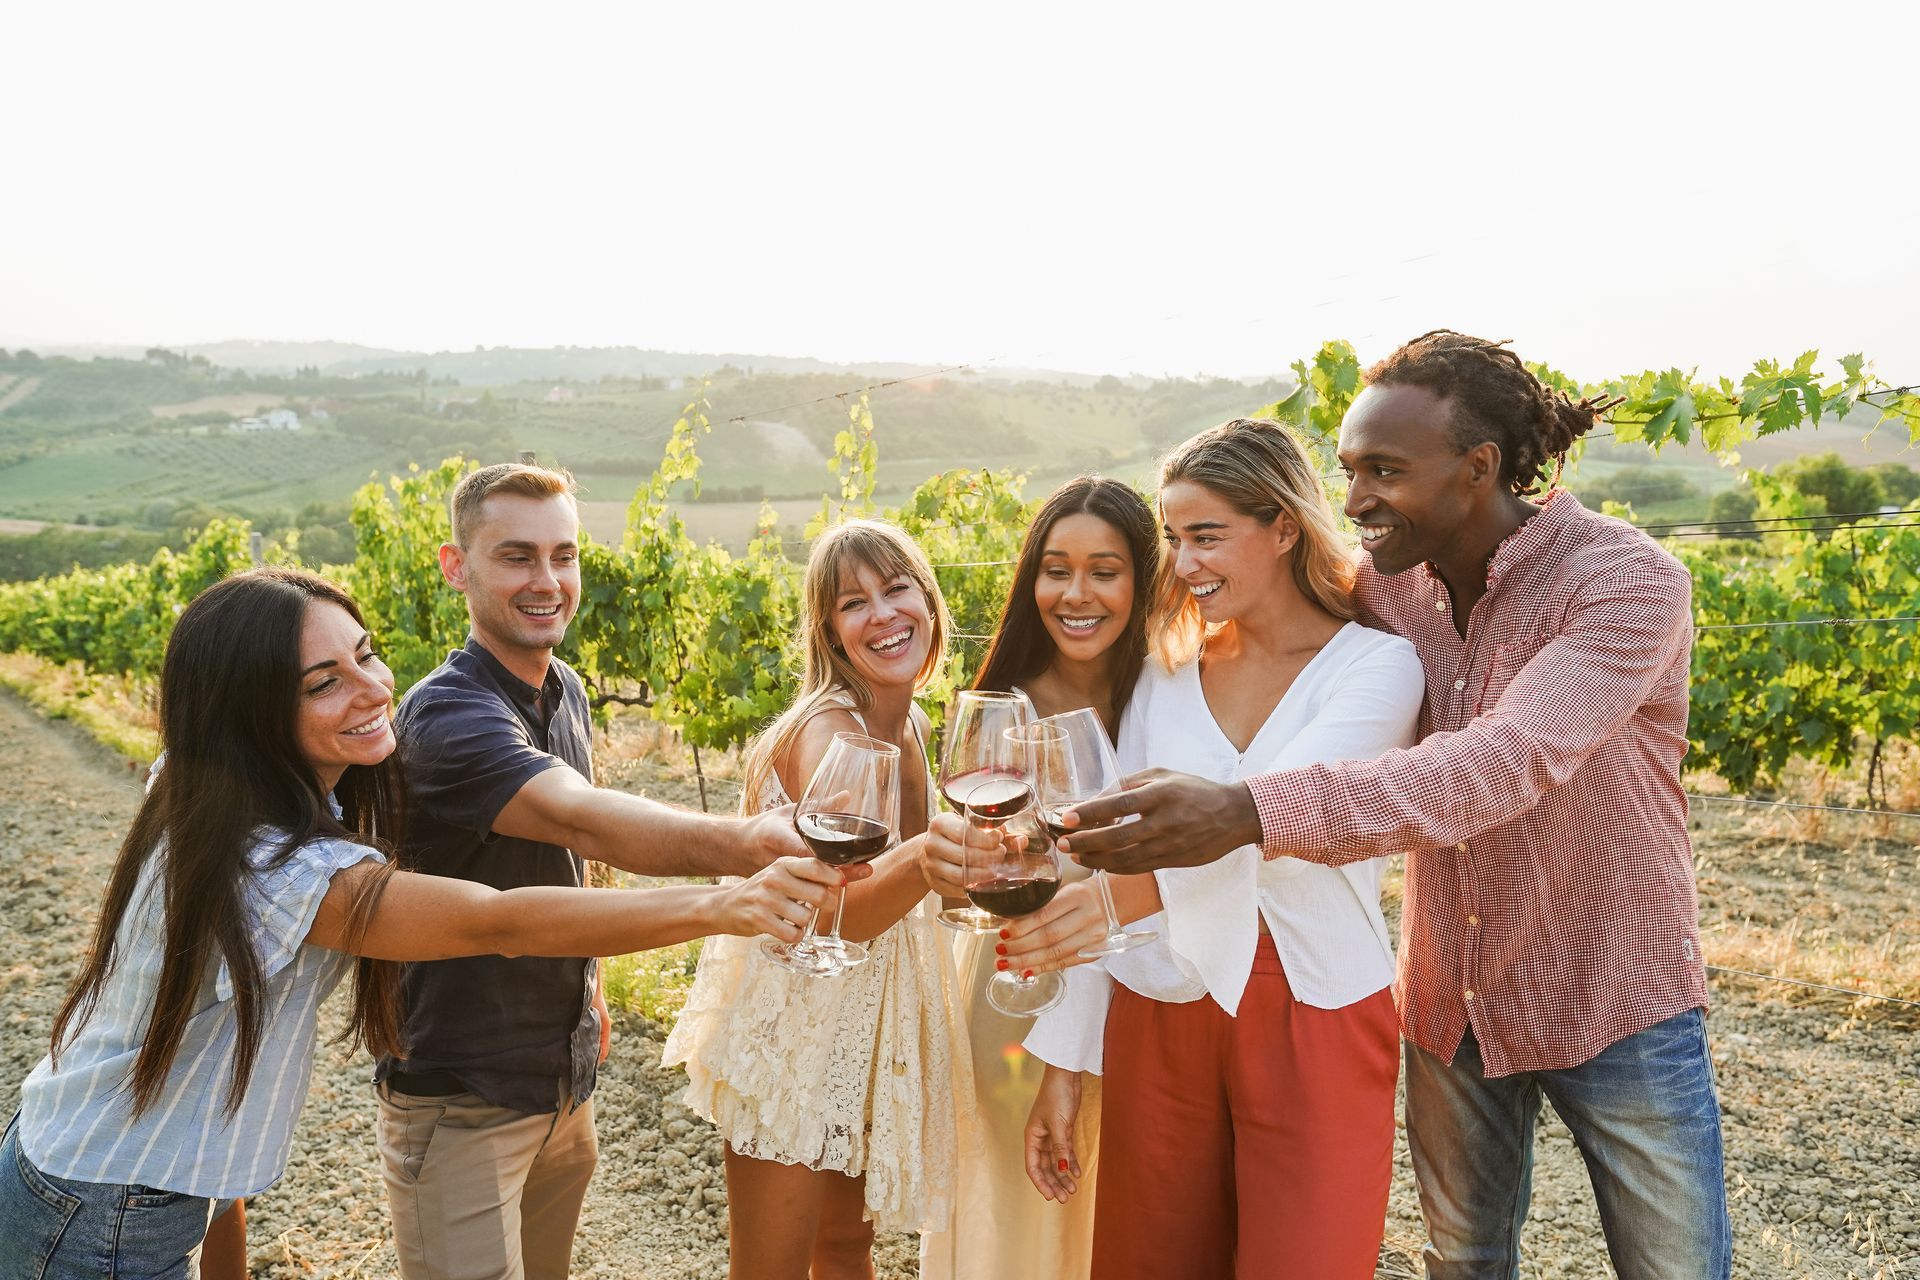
(480, 1192)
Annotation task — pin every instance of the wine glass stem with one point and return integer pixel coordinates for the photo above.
(1106, 902)
(839, 910)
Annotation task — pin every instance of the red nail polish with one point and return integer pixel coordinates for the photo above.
(1004, 935)
(1000, 964)
(1026, 974)
(1000, 948)
(1063, 1166)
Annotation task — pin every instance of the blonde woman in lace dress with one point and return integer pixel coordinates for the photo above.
(837, 1095)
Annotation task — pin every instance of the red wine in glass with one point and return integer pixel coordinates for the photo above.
(1012, 896)
(843, 839)
(846, 815)
(1072, 761)
(1016, 878)
(979, 753)
(992, 794)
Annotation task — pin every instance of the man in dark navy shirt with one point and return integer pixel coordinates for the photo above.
(486, 1128)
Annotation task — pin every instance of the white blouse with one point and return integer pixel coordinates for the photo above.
(1356, 699)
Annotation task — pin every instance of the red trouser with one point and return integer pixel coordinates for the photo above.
(1258, 1147)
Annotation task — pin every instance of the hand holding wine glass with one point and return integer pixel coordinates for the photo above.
(779, 899)
(949, 842)
(1017, 878)
(849, 815)
(1073, 762)
(983, 773)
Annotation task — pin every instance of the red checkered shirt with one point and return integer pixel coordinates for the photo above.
(1549, 892)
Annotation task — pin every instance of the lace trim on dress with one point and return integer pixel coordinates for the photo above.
(857, 1074)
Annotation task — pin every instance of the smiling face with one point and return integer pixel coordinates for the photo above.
(1085, 587)
(1410, 491)
(883, 626)
(346, 695)
(520, 572)
(1229, 562)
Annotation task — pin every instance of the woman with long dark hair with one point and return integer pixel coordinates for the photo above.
(254, 877)
(1072, 634)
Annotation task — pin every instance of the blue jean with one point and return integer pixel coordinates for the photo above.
(58, 1229)
(1647, 1122)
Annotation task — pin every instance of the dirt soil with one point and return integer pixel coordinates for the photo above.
(1822, 1097)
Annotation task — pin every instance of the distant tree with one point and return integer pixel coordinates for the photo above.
(1108, 385)
(1730, 505)
(26, 359)
(1637, 486)
(1825, 475)
(1899, 483)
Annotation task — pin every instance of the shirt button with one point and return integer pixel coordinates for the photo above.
(1461, 847)
(1459, 684)
(1469, 997)
(1474, 921)
(1439, 606)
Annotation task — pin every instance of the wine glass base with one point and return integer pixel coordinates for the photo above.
(970, 920)
(851, 955)
(806, 957)
(1025, 999)
(1117, 942)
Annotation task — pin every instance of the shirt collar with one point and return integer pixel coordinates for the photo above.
(1556, 511)
(523, 694)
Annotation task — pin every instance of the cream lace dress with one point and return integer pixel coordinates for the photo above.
(857, 1074)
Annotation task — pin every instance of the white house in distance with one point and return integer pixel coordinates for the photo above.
(271, 420)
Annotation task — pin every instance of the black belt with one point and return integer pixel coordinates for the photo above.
(425, 1084)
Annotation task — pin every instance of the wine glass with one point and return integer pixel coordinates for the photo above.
(983, 773)
(849, 814)
(1073, 761)
(1017, 878)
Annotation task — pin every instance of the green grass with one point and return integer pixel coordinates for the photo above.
(653, 984)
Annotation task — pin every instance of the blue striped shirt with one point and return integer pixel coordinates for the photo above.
(76, 1121)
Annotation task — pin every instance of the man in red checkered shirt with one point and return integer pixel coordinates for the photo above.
(1550, 936)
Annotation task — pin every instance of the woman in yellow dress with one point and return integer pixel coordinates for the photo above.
(1072, 634)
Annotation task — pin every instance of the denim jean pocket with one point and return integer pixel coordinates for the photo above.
(158, 1231)
(34, 1214)
(39, 1184)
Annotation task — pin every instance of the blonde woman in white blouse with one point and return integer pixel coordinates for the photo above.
(1249, 1058)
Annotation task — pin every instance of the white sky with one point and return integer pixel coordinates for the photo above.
(1147, 188)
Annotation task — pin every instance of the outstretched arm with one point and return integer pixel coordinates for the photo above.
(1619, 644)
(640, 835)
(420, 917)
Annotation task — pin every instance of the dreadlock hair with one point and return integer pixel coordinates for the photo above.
(1493, 397)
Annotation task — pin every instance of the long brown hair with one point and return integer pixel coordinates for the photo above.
(229, 703)
(1262, 471)
(1022, 648)
(890, 553)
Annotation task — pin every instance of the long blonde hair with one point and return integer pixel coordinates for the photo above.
(890, 553)
(1262, 471)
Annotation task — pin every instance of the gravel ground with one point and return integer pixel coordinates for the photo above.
(1822, 1099)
